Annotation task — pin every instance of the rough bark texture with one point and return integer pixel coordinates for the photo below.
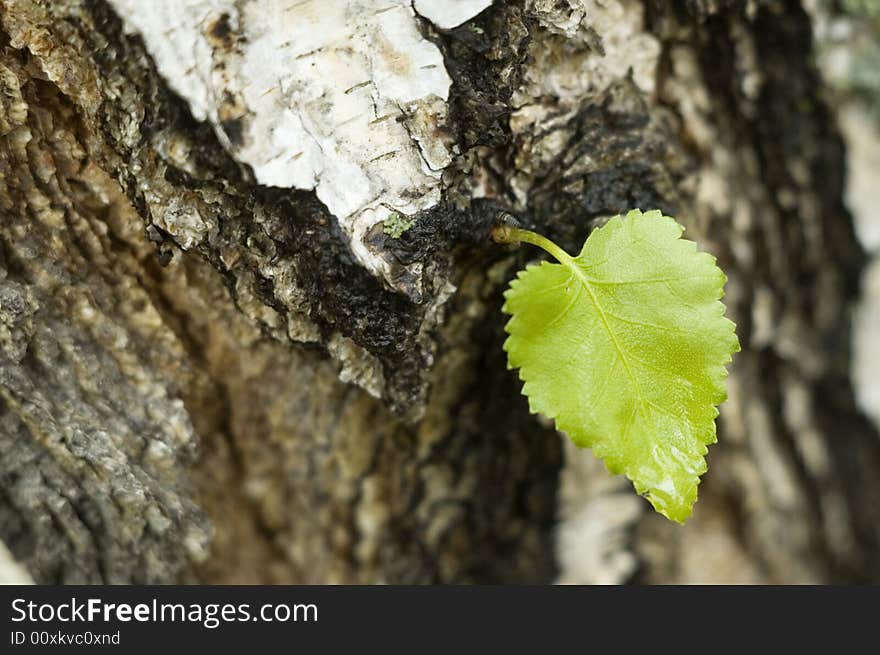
(199, 382)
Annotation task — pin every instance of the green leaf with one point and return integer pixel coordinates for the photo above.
(625, 346)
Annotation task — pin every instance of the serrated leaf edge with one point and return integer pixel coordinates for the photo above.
(538, 407)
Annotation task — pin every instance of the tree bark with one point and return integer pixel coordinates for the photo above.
(202, 379)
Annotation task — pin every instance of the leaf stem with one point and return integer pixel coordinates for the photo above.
(508, 234)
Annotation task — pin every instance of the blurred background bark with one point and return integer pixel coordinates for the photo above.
(200, 381)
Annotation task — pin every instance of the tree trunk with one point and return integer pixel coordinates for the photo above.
(215, 366)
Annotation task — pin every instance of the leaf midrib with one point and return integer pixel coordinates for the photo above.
(568, 261)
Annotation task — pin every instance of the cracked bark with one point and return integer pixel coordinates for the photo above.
(190, 362)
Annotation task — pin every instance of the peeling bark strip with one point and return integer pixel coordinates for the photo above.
(179, 332)
(341, 96)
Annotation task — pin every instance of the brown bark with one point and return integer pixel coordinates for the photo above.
(175, 411)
